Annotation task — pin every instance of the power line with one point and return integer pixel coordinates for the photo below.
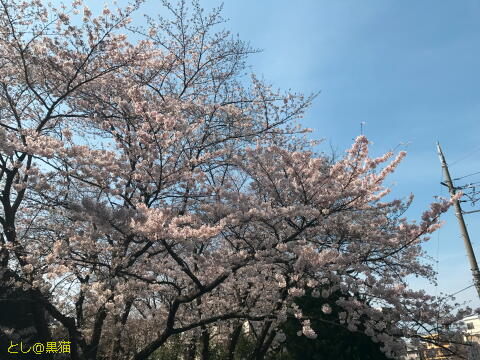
(466, 156)
(468, 185)
(468, 287)
(459, 178)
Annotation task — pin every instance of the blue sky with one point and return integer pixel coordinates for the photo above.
(409, 69)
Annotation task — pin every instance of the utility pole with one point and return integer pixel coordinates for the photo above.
(461, 222)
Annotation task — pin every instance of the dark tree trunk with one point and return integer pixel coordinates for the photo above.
(234, 341)
(205, 339)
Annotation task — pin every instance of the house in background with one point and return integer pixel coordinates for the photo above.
(473, 336)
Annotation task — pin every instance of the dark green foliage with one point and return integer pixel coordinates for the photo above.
(333, 342)
(175, 349)
(172, 350)
(25, 318)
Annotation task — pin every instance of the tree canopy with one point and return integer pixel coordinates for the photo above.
(152, 189)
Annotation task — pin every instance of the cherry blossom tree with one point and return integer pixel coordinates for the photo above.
(150, 189)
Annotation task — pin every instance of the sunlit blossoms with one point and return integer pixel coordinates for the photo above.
(326, 309)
